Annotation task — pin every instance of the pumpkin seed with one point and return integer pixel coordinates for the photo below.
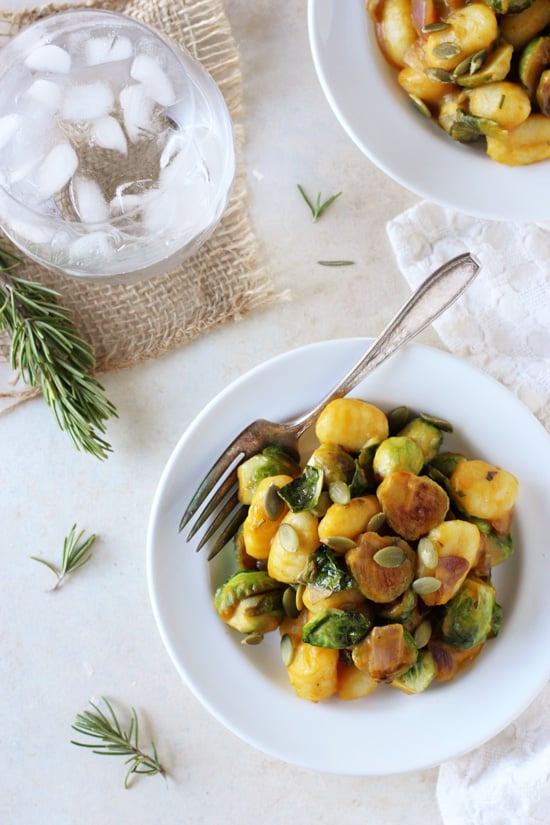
(289, 538)
(422, 634)
(273, 503)
(290, 605)
(391, 556)
(420, 106)
(440, 75)
(376, 522)
(444, 51)
(252, 639)
(427, 553)
(340, 543)
(470, 64)
(339, 492)
(397, 418)
(425, 585)
(440, 423)
(317, 594)
(287, 649)
(439, 26)
(322, 505)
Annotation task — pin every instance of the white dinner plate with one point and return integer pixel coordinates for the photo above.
(246, 687)
(362, 90)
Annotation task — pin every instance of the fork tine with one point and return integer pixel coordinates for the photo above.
(229, 530)
(218, 469)
(212, 504)
(221, 516)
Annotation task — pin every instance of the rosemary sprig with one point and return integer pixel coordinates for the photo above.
(319, 207)
(115, 741)
(49, 352)
(74, 556)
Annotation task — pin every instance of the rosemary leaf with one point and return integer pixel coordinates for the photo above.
(49, 352)
(320, 206)
(336, 263)
(74, 556)
(115, 741)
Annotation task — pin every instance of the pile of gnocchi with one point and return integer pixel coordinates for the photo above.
(373, 560)
(480, 70)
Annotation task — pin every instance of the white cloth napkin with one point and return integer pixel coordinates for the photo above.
(501, 324)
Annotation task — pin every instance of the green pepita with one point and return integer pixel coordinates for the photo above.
(434, 73)
(290, 605)
(440, 423)
(339, 492)
(425, 585)
(391, 556)
(289, 538)
(252, 639)
(420, 106)
(422, 634)
(397, 418)
(376, 522)
(444, 51)
(273, 503)
(438, 26)
(340, 544)
(287, 649)
(427, 553)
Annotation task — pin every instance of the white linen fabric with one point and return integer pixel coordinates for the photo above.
(502, 325)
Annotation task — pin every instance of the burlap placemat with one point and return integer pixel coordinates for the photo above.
(225, 279)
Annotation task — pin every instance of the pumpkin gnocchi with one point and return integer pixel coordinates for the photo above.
(392, 586)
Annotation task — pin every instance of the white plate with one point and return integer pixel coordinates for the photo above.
(362, 90)
(246, 688)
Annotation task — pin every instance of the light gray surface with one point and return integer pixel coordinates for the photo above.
(97, 635)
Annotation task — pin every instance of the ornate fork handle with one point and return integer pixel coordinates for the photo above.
(435, 295)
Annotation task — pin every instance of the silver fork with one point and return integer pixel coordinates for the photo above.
(218, 489)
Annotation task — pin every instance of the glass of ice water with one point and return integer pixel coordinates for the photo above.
(116, 148)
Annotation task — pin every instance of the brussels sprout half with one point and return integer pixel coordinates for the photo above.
(325, 572)
(467, 619)
(303, 493)
(419, 676)
(272, 461)
(336, 629)
(250, 601)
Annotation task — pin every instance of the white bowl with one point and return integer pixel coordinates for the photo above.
(362, 90)
(246, 687)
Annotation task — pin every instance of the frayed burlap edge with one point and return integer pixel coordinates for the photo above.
(225, 280)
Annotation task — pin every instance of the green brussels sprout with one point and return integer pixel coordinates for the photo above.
(272, 461)
(400, 609)
(496, 548)
(250, 601)
(335, 463)
(242, 559)
(397, 453)
(445, 463)
(325, 571)
(335, 628)
(419, 676)
(467, 619)
(425, 434)
(303, 493)
(360, 483)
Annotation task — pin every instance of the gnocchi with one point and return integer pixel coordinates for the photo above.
(392, 586)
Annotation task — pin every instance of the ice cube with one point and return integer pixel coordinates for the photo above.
(107, 133)
(91, 250)
(23, 164)
(107, 49)
(87, 101)
(88, 200)
(148, 71)
(8, 127)
(137, 109)
(174, 144)
(124, 204)
(46, 93)
(55, 171)
(49, 58)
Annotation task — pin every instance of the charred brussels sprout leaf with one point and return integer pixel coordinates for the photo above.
(419, 676)
(250, 601)
(467, 619)
(335, 629)
(496, 620)
(304, 492)
(325, 572)
(272, 461)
